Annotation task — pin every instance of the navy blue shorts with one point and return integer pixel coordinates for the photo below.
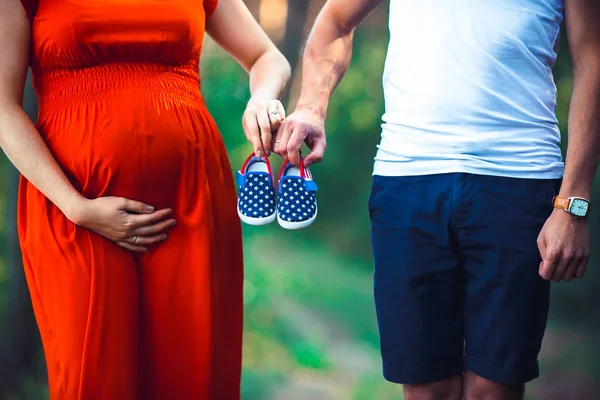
(456, 275)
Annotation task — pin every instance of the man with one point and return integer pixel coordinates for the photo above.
(465, 236)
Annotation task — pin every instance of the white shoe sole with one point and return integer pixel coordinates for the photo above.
(257, 221)
(296, 225)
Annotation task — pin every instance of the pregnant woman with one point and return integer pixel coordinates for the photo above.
(124, 154)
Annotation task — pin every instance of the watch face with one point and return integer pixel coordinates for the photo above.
(579, 207)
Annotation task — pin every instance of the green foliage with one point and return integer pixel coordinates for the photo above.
(257, 383)
(308, 316)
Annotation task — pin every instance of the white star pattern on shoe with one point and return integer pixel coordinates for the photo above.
(254, 195)
(299, 204)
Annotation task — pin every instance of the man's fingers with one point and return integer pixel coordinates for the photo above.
(547, 270)
(577, 259)
(570, 272)
(281, 139)
(561, 267)
(294, 145)
(581, 270)
(252, 132)
(316, 154)
(548, 266)
(571, 261)
(582, 267)
(276, 139)
(541, 243)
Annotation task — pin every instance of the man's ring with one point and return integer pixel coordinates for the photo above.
(274, 112)
(278, 141)
(135, 239)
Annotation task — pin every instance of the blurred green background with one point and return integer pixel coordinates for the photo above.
(310, 329)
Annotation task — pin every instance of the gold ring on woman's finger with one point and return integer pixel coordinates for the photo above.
(135, 238)
(278, 141)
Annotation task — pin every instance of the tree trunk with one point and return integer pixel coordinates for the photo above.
(253, 6)
(301, 17)
(292, 45)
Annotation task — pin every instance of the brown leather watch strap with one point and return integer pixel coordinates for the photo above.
(561, 202)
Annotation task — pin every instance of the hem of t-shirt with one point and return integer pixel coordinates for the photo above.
(416, 168)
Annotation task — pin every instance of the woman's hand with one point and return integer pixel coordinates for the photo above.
(131, 224)
(233, 27)
(260, 122)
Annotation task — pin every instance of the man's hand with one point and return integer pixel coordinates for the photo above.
(301, 127)
(564, 244)
(325, 60)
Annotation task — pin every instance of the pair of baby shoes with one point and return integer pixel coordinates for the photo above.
(294, 205)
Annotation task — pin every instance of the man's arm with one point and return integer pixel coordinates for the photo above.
(328, 51)
(564, 242)
(326, 59)
(583, 151)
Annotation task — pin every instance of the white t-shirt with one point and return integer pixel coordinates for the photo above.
(469, 88)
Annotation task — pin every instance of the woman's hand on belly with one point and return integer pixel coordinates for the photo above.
(131, 224)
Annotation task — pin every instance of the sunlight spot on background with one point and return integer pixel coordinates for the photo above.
(272, 17)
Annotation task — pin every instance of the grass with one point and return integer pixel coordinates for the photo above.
(314, 309)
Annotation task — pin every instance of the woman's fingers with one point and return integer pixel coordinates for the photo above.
(250, 126)
(276, 114)
(140, 243)
(264, 124)
(152, 229)
(280, 108)
(139, 220)
(136, 207)
(146, 240)
(132, 247)
(282, 138)
(260, 123)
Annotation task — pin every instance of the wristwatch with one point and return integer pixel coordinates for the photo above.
(576, 206)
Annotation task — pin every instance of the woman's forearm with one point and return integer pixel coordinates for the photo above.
(29, 154)
(269, 77)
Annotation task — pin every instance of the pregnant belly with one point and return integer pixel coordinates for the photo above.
(140, 149)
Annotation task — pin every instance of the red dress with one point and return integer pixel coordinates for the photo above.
(120, 108)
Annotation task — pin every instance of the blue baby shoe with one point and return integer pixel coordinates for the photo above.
(297, 203)
(256, 196)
